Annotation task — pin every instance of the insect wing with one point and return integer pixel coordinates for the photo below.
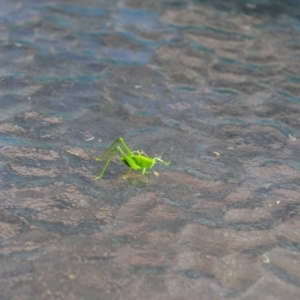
(144, 161)
(131, 163)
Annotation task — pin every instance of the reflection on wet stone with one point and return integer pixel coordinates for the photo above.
(212, 87)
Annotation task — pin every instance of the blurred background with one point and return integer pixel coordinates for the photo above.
(212, 86)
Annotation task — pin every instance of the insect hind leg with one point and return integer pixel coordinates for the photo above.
(112, 147)
(106, 164)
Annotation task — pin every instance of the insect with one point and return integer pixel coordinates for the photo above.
(136, 160)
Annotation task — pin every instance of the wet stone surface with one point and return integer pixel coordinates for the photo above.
(211, 87)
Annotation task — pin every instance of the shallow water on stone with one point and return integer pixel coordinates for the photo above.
(212, 87)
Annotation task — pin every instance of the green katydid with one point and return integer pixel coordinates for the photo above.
(136, 160)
